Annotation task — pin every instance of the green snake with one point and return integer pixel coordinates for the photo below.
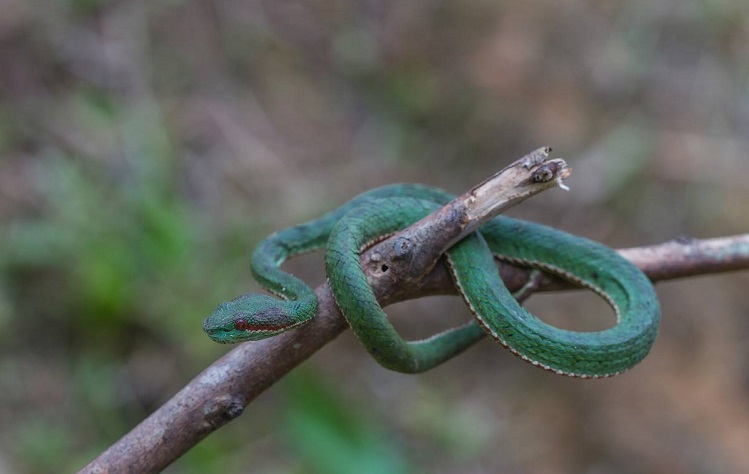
(347, 230)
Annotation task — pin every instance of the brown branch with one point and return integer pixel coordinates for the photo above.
(220, 393)
(686, 256)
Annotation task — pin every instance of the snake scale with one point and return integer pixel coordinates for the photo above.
(345, 231)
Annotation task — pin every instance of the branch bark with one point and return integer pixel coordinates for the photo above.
(220, 393)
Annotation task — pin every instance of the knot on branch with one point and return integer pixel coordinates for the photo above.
(402, 249)
(222, 409)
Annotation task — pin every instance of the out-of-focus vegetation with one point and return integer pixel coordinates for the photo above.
(145, 147)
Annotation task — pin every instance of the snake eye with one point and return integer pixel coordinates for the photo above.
(241, 324)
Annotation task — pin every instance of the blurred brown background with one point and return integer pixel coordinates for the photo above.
(145, 148)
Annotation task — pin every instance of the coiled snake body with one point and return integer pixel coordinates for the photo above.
(382, 211)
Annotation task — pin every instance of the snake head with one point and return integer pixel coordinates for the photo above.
(249, 318)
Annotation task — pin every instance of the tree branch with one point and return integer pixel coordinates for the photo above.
(220, 393)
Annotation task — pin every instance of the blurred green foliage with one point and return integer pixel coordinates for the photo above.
(330, 436)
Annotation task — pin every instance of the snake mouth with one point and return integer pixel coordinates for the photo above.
(274, 329)
(219, 335)
(248, 332)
